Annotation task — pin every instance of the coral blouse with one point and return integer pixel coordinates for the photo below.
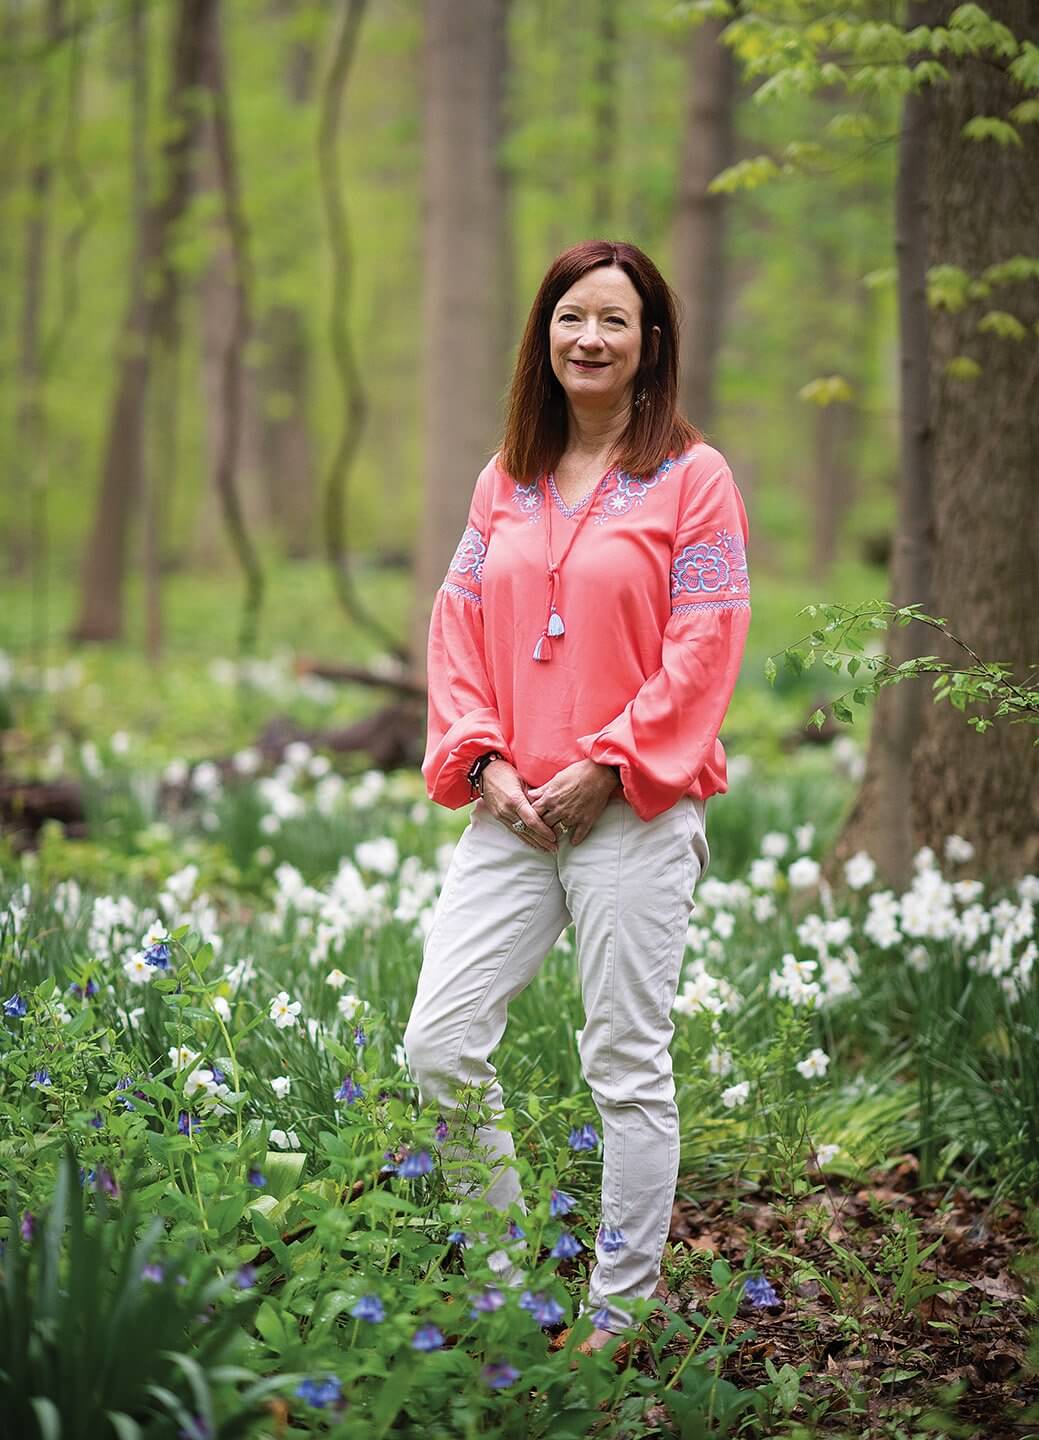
(652, 595)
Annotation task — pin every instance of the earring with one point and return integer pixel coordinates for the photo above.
(640, 399)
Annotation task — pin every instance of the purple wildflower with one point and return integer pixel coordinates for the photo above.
(759, 1292)
(499, 1374)
(40, 1079)
(348, 1091)
(601, 1318)
(516, 1232)
(414, 1165)
(360, 1040)
(458, 1237)
(219, 1076)
(489, 1299)
(245, 1278)
(97, 1120)
(27, 1229)
(256, 1177)
(153, 1272)
(611, 1240)
(544, 1309)
(320, 1393)
(106, 1182)
(440, 1130)
(560, 1204)
(369, 1307)
(158, 955)
(15, 1006)
(427, 1337)
(566, 1246)
(124, 1084)
(82, 992)
(585, 1138)
(188, 1124)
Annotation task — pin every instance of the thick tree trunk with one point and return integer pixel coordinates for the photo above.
(699, 234)
(983, 204)
(966, 546)
(464, 343)
(150, 310)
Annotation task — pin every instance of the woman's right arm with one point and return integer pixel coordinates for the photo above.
(463, 718)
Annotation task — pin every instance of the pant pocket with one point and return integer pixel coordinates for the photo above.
(696, 814)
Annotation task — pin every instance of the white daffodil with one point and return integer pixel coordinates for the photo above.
(281, 1085)
(336, 979)
(285, 1012)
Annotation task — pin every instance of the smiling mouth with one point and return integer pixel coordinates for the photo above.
(591, 364)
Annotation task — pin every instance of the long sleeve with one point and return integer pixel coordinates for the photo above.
(462, 716)
(668, 732)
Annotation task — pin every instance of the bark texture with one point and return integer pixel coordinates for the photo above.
(967, 545)
(464, 343)
(699, 237)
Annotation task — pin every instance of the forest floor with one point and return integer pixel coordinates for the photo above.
(879, 1341)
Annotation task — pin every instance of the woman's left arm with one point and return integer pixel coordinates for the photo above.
(663, 737)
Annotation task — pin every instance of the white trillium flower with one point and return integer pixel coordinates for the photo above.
(957, 850)
(281, 1085)
(350, 1006)
(803, 873)
(138, 971)
(775, 844)
(181, 1057)
(380, 855)
(825, 1153)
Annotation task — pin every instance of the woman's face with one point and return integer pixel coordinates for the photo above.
(595, 337)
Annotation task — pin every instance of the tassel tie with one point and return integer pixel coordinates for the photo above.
(554, 626)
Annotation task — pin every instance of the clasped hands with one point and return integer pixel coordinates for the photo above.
(575, 797)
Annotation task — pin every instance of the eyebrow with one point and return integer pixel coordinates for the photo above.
(570, 305)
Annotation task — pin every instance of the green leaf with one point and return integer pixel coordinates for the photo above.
(960, 367)
(1003, 324)
(990, 127)
(816, 718)
(48, 1417)
(770, 670)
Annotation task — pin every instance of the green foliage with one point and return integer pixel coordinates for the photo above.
(840, 643)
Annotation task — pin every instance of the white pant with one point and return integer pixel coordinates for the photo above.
(628, 889)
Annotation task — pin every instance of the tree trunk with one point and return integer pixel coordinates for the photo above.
(463, 309)
(699, 235)
(288, 451)
(983, 204)
(966, 545)
(151, 309)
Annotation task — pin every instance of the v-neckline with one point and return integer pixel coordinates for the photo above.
(569, 511)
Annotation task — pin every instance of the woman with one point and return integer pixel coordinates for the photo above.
(583, 650)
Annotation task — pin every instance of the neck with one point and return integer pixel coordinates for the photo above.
(593, 431)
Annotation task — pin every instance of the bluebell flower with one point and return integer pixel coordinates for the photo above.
(219, 1076)
(499, 1374)
(583, 1139)
(369, 1307)
(427, 1337)
(516, 1232)
(97, 1120)
(566, 1246)
(440, 1129)
(245, 1278)
(15, 1007)
(458, 1237)
(544, 1309)
(759, 1292)
(153, 1272)
(320, 1393)
(256, 1177)
(80, 992)
(489, 1299)
(611, 1240)
(560, 1204)
(348, 1091)
(187, 1124)
(601, 1318)
(158, 955)
(106, 1182)
(359, 1038)
(27, 1229)
(414, 1165)
(124, 1084)
(40, 1079)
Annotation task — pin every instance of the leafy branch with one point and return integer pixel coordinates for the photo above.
(840, 644)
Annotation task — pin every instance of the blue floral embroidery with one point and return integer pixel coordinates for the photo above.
(530, 499)
(710, 566)
(469, 557)
(461, 592)
(626, 491)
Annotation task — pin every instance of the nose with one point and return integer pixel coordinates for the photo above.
(590, 338)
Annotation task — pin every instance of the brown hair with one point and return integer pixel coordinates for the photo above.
(536, 420)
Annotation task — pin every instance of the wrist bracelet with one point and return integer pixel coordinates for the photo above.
(475, 775)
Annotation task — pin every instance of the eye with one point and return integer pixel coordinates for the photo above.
(568, 316)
